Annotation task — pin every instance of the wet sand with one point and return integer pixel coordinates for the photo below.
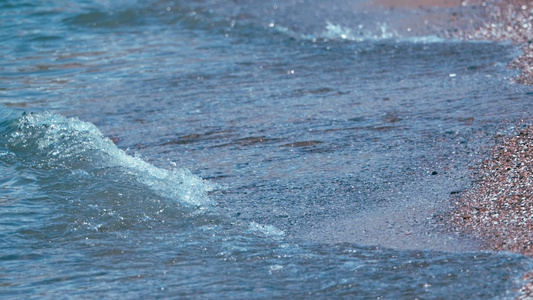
(496, 20)
(498, 210)
(426, 3)
(508, 21)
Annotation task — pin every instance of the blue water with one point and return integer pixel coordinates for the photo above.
(244, 150)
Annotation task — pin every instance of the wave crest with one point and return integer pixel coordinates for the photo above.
(51, 141)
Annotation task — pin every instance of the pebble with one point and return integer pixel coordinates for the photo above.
(510, 20)
(498, 209)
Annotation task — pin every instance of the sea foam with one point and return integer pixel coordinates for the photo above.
(54, 142)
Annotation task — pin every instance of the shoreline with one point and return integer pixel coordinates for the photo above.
(508, 21)
(494, 20)
(499, 208)
(425, 3)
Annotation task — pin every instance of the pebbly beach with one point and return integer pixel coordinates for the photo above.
(499, 208)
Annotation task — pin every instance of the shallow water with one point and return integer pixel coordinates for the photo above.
(244, 150)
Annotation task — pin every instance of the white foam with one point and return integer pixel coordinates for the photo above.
(69, 138)
(337, 32)
(268, 230)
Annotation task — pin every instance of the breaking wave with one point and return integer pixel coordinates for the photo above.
(50, 141)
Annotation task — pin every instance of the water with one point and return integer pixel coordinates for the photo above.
(168, 149)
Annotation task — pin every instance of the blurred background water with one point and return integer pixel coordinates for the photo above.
(237, 149)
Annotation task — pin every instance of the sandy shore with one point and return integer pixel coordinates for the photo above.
(498, 210)
(508, 21)
(426, 3)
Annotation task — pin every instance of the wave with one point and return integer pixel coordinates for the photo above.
(49, 141)
(335, 32)
(97, 187)
(303, 21)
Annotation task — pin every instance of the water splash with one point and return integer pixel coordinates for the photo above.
(337, 32)
(51, 141)
(267, 230)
